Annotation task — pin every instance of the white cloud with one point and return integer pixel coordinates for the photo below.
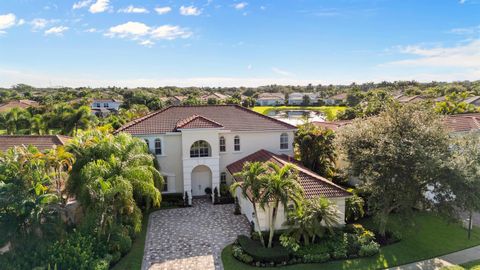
(163, 10)
(132, 30)
(39, 23)
(190, 11)
(281, 72)
(21, 22)
(91, 30)
(57, 30)
(464, 56)
(141, 31)
(132, 9)
(240, 5)
(7, 21)
(147, 43)
(462, 1)
(263, 7)
(82, 4)
(170, 32)
(99, 6)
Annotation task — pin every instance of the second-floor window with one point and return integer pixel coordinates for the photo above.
(105, 105)
(158, 147)
(236, 143)
(97, 105)
(223, 146)
(284, 141)
(200, 149)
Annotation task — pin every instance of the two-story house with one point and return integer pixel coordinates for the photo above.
(103, 107)
(195, 145)
(299, 98)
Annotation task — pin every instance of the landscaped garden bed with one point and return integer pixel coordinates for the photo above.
(431, 236)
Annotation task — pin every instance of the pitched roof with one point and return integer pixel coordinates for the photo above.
(42, 142)
(463, 122)
(197, 121)
(472, 99)
(231, 117)
(406, 99)
(271, 96)
(313, 184)
(215, 95)
(340, 96)
(23, 104)
(106, 100)
(334, 125)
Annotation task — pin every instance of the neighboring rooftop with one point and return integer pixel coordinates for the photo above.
(215, 95)
(23, 104)
(341, 96)
(231, 117)
(332, 125)
(106, 100)
(407, 99)
(471, 100)
(271, 96)
(463, 122)
(313, 184)
(42, 142)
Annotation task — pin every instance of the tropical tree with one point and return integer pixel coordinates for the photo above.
(251, 176)
(316, 149)
(112, 177)
(37, 125)
(398, 156)
(16, 119)
(79, 118)
(279, 186)
(59, 163)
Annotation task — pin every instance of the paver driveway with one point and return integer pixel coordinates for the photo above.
(191, 238)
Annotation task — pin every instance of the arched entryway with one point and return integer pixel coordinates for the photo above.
(201, 179)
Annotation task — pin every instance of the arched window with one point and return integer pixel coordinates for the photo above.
(223, 146)
(200, 149)
(158, 147)
(284, 141)
(236, 143)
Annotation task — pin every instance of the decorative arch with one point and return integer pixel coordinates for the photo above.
(200, 148)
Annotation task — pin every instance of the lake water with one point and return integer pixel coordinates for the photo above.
(297, 117)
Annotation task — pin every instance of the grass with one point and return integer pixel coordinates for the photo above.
(431, 237)
(475, 265)
(330, 111)
(134, 258)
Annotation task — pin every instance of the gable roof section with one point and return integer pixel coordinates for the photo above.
(42, 142)
(231, 117)
(333, 125)
(340, 96)
(267, 96)
(313, 184)
(23, 104)
(472, 99)
(197, 121)
(463, 122)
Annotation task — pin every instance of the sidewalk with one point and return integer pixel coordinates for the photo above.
(459, 257)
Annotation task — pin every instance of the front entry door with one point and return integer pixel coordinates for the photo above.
(201, 179)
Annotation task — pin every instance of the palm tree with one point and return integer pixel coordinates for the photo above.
(320, 210)
(37, 125)
(59, 162)
(251, 184)
(79, 118)
(279, 187)
(14, 120)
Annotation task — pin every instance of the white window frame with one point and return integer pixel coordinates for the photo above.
(284, 145)
(236, 144)
(222, 144)
(159, 141)
(199, 151)
(223, 178)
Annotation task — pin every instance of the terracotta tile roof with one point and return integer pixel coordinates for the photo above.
(215, 95)
(23, 104)
(42, 142)
(271, 96)
(406, 99)
(463, 122)
(340, 96)
(197, 121)
(313, 184)
(332, 125)
(231, 117)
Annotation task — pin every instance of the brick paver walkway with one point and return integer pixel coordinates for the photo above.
(191, 238)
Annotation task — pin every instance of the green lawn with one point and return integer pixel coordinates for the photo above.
(475, 265)
(330, 111)
(431, 237)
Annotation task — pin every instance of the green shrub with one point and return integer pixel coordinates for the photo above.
(238, 253)
(316, 258)
(276, 254)
(172, 199)
(120, 240)
(369, 249)
(317, 248)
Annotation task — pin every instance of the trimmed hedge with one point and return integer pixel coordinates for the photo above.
(276, 254)
(172, 199)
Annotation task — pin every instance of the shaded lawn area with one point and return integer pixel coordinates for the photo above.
(431, 237)
(330, 111)
(475, 265)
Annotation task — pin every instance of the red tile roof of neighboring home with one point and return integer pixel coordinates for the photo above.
(463, 122)
(406, 99)
(42, 142)
(23, 104)
(332, 125)
(313, 184)
(231, 117)
(340, 96)
(214, 95)
(197, 121)
(271, 96)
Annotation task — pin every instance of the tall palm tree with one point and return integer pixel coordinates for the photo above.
(251, 183)
(59, 162)
(37, 125)
(14, 120)
(280, 186)
(79, 118)
(320, 210)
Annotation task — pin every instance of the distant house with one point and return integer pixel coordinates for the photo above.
(103, 107)
(409, 99)
(218, 97)
(177, 100)
(334, 125)
(298, 98)
(42, 142)
(22, 104)
(473, 100)
(440, 99)
(270, 99)
(462, 123)
(336, 99)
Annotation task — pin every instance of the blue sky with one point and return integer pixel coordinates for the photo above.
(236, 43)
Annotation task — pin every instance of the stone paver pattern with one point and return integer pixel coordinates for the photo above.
(191, 238)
